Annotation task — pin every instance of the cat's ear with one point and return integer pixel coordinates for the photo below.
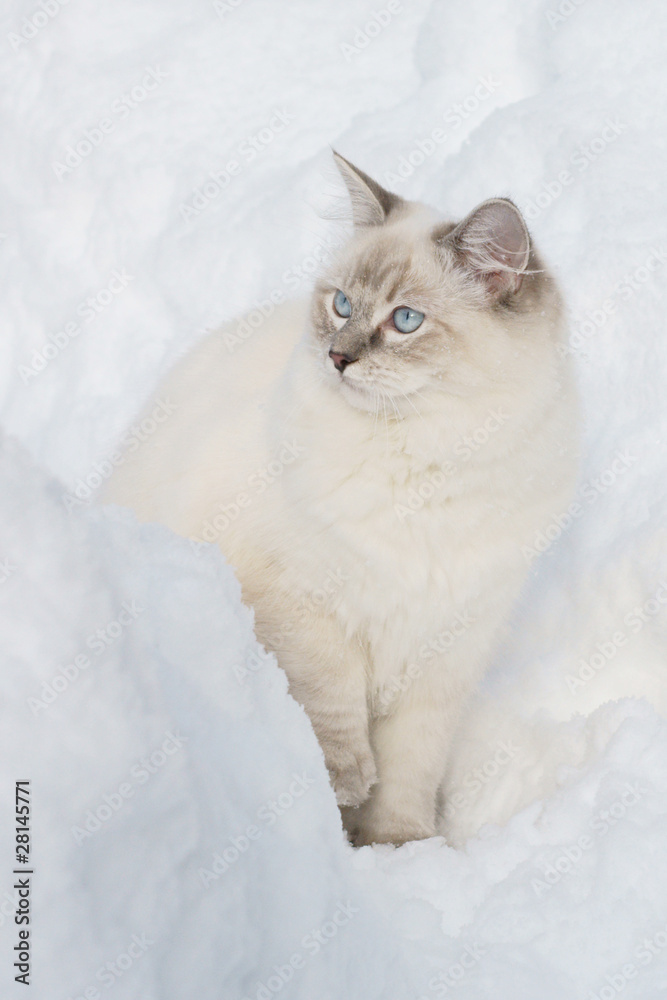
(371, 204)
(494, 244)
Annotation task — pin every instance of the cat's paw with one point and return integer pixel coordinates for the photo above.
(392, 833)
(352, 774)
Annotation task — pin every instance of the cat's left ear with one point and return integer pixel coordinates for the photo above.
(493, 242)
(371, 204)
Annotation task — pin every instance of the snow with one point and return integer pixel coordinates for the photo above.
(552, 877)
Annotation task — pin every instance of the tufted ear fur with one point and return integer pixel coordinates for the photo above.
(371, 204)
(494, 244)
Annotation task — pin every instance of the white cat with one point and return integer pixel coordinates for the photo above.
(372, 465)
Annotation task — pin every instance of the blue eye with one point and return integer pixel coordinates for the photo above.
(342, 305)
(407, 320)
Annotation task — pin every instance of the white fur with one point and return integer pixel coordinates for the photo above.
(329, 521)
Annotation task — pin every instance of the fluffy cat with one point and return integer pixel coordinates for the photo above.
(372, 464)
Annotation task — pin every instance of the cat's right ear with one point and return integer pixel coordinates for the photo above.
(493, 244)
(371, 204)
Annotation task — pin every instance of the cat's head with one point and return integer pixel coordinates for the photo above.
(416, 305)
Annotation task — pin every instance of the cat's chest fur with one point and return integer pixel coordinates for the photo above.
(398, 577)
(394, 528)
(414, 523)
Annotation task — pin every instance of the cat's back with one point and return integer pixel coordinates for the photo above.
(211, 409)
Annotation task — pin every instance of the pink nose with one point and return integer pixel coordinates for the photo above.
(341, 361)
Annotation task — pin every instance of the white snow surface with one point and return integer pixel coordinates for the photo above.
(551, 879)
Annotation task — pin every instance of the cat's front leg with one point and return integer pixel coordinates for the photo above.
(411, 745)
(328, 676)
(349, 760)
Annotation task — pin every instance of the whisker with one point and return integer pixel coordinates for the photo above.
(397, 413)
(376, 402)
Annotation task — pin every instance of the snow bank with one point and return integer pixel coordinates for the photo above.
(169, 169)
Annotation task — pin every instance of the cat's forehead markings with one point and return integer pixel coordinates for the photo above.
(398, 283)
(368, 268)
(374, 250)
(381, 268)
(382, 276)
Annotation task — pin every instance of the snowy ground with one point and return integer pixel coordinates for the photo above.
(186, 841)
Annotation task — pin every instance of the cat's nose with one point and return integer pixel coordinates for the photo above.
(341, 361)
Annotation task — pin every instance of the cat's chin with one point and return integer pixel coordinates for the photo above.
(360, 396)
(370, 398)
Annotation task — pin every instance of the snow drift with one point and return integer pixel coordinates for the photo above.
(166, 168)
